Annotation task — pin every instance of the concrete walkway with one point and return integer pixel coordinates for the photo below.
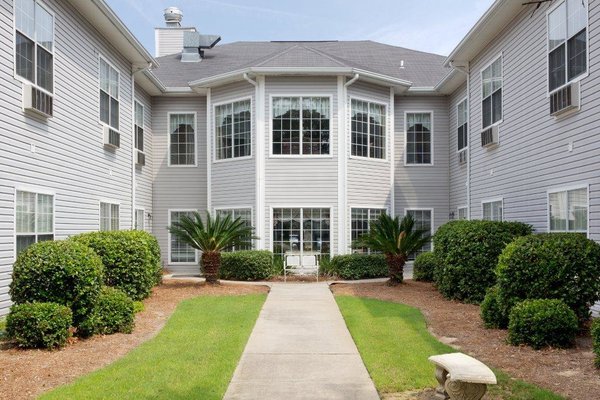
(300, 348)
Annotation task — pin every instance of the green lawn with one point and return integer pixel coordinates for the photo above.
(193, 357)
(394, 344)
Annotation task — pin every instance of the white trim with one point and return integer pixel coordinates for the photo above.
(486, 66)
(387, 132)
(135, 210)
(35, 190)
(566, 189)
(341, 164)
(261, 140)
(493, 200)
(405, 128)
(112, 203)
(392, 151)
(213, 131)
(169, 262)
(548, 50)
(196, 144)
(301, 155)
(208, 149)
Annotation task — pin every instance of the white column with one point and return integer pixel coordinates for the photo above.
(392, 153)
(261, 221)
(209, 136)
(342, 169)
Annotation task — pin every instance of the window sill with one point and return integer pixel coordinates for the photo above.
(232, 159)
(369, 159)
(302, 156)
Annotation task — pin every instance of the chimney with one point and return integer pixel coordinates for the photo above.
(169, 40)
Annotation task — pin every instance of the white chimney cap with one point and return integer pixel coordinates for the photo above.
(173, 15)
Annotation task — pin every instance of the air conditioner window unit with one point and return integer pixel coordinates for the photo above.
(565, 99)
(37, 101)
(489, 136)
(140, 158)
(463, 156)
(112, 138)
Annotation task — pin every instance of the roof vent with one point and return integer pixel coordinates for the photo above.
(173, 16)
(194, 45)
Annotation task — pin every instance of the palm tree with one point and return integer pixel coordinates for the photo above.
(396, 239)
(211, 238)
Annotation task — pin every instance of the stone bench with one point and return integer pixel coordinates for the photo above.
(461, 377)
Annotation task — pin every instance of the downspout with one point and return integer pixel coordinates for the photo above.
(466, 71)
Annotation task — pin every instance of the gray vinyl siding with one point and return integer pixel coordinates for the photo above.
(144, 175)
(533, 154)
(70, 159)
(423, 186)
(301, 181)
(233, 181)
(176, 187)
(458, 172)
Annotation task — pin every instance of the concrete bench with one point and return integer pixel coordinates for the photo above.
(461, 377)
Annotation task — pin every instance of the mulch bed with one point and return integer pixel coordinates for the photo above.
(568, 372)
(28, 373)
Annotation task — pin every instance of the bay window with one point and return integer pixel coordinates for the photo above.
(233, 130)
(368, 129)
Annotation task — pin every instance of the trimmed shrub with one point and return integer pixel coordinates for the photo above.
(541, 323)
(152, 243)
(138, 306)
(563, 266)
(468, 253)
(359, 266)
(39, 325)
(596, 340)
(61, 272)
(247, 265)
(113, 312)
(491, 314)
(129, 262)
(424, 266)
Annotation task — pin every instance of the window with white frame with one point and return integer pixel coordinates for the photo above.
(368, 129)
(419, 139)
(423, 220)
(139, 126)
(233, 130)
(34, 43)
(462, 111)
(567, 42)
(491, 87)
(301, 231)
(301, 126)
(463, 213)
(182, 139)
(568, 210)
(179, 251)
(245, 215)
(492, 210)
(34, 218)
(139, 219)
(109, 94)
(360, 224)
(109, 216)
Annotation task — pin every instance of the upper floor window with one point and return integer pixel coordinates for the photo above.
(368, 129)
(34, 218)
(139, 126)
(567, 42)
(419, 139)
(568, 210)
(34, 43)
(109, 217)
(109, 95)
(233, 129)
(463, 124)
(182, 139)
(492, 210)
(245, 215)
(301, 125)
(491, 86)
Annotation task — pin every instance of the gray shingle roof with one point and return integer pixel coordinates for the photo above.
(423, 69)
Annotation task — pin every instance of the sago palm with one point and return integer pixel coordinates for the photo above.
(396, 239)
(211, 238)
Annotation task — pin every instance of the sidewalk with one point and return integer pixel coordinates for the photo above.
(300, 348)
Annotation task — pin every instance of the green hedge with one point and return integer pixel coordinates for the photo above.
(152, 243)
(129, 260)
(62, 272)
(563, 266)
(596, 340)
(39, 325)
(424, 266)
(542, 323)
(247, 265)
(468, 253)
(359, 266)
(112, 313)
(491, 314)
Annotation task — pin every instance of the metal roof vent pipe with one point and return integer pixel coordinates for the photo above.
(173, 17)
